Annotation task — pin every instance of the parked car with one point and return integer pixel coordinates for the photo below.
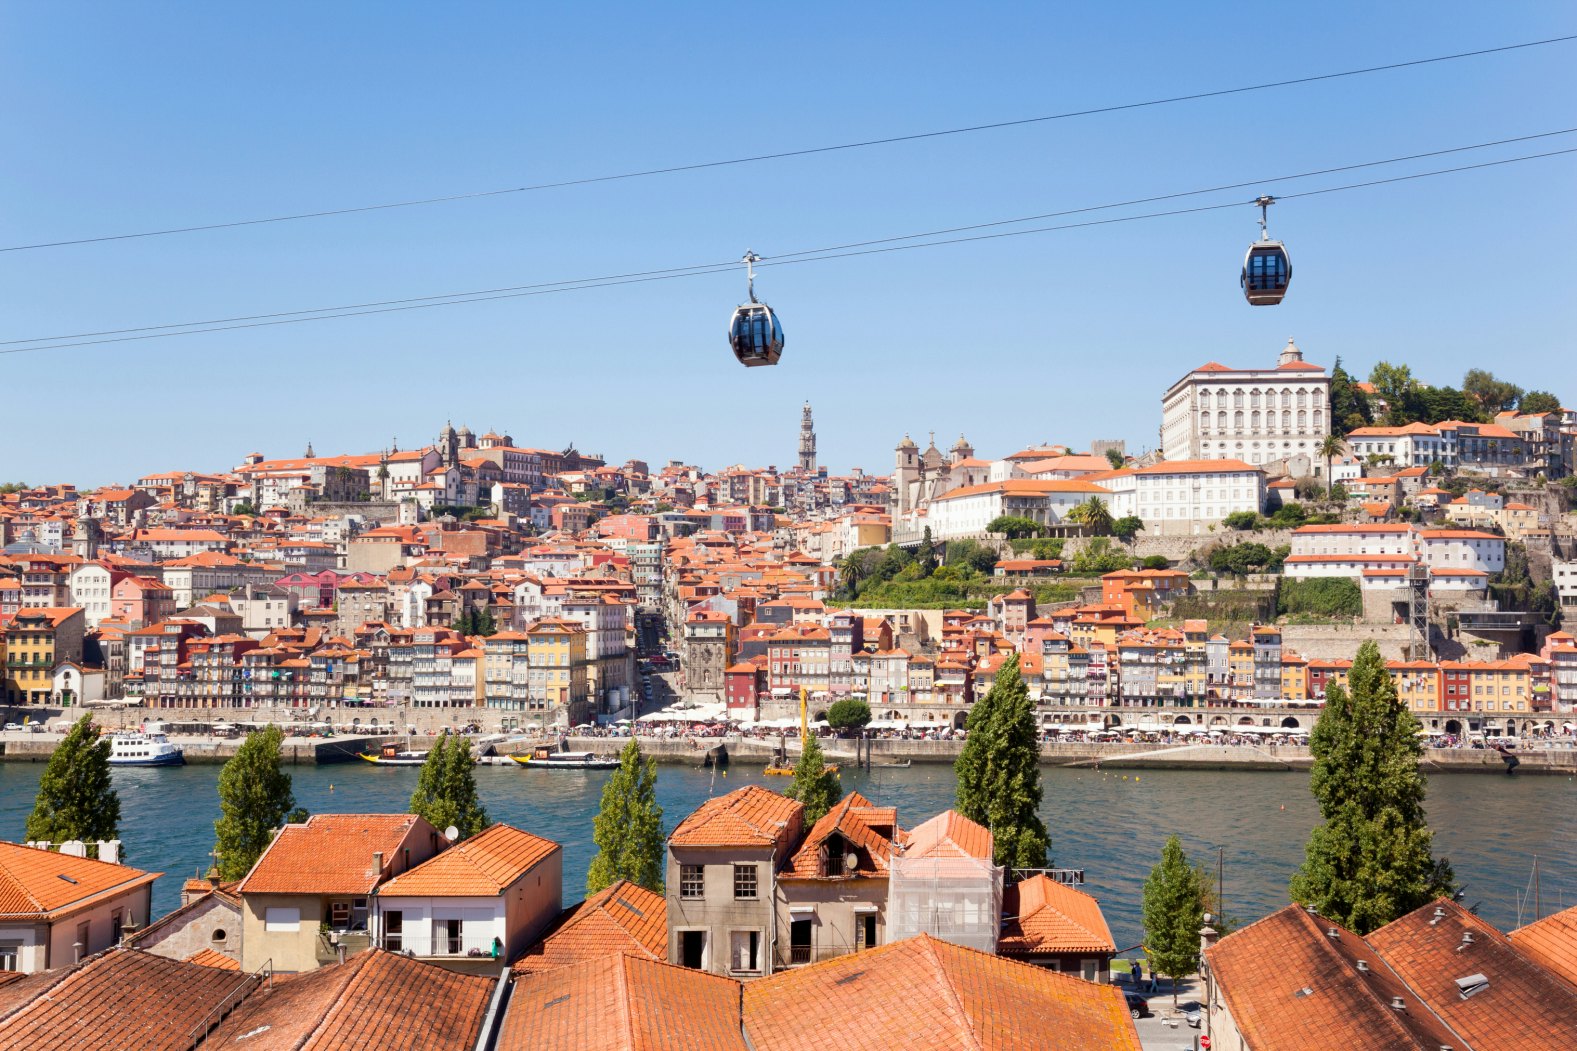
(1138, 1006)
(12, 726)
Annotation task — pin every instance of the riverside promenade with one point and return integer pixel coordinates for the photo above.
(1534, 756)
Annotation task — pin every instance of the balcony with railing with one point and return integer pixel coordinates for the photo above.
(443, 945)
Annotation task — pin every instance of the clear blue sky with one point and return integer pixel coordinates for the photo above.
(124, 117)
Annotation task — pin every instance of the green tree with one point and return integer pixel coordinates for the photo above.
(1127, 527)
(255, 799)
(13, 487)
(1013, 791)
(970, 555)
(1349, 405)
(1174, 911)
(628, 829)
(1093, 515)
(816, 786)
(1393, 383)
(1099, 556)
(1154, 562)
(485, 624)
(1370, 861)
(848, 713)
(1115, 458)
(243, 507)
(1015, 527)
(1538, 401)
(1491, 394)
(1330, 447)
(446, 788)
(925, 555)
(1242, 520)
(76, 799)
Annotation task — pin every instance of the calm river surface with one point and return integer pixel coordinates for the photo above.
(1113, 827)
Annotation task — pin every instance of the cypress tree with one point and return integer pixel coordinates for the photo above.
(998, 771)
(818, 788)
(1370, 862)
(76, 799)
(1173, 913)
(972, 797)
(446, 788)
(1013, 774)
(255, 799)
(628, 829)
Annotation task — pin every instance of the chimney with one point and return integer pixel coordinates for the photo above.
(1208, 936)
(377, 865)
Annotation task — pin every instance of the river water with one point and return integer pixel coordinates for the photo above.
(1108, 824)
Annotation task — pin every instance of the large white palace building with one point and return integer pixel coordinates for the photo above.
(1263, 417)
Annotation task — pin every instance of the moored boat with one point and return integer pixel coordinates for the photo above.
(394, 755)
(547, 756)
(144, 749)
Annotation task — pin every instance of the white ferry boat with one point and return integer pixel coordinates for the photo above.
(144, 749)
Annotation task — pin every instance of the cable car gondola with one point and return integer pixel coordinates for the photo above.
(1267, 269)
(755, 332)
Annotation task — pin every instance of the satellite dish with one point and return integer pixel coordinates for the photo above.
(451, 833)
(851, 862)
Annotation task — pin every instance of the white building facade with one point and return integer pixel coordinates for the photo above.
(1186, 497)
(1259, 416)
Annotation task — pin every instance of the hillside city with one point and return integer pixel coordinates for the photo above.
(1202, 597)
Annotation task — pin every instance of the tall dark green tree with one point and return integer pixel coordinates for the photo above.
(925, 554)
(817, 787)
(1174, 911)
(1539, 401)
(1370, 862)
(628, 830)
(76, 799)
(255, 799)
(1349, 406)
(998, 771)
(446, 788)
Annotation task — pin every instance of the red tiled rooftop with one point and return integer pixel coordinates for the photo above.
(749, 816)
(483, 866)
(1551, 942)
(621, 918)
(1045, 916)
(922, 994)
(36, 883)
(330, 854)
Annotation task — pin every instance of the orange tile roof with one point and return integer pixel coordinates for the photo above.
(749, 816)
(852, 818)
(1046, 917)
(1524, 1006)
(483, 866)
(949, 835)
(923, 994)
(115, 1000)
(1291, 987)
(623, 1003)
(331, 854)
(1551, 942)
(36, 883)
(622, 918)
(1197, 467)
(214, 958)
(375, 1001)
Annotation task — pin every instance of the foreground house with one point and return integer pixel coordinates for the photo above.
(206, 924)
(1438, 977)
(1551, 943)
(723, 862)
(621, 919)
(1058, 927)
(477, 904)
(125, 999)
(308, 898)
(921, 994)
(57, 908)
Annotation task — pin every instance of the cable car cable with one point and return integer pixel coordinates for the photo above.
(780, 257)
(701, 271)
(785, 154)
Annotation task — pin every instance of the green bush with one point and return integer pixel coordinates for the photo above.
(849, 713)
(1328, 597)
(1241, 520)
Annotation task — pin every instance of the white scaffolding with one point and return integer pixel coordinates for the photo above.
(956, 899)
